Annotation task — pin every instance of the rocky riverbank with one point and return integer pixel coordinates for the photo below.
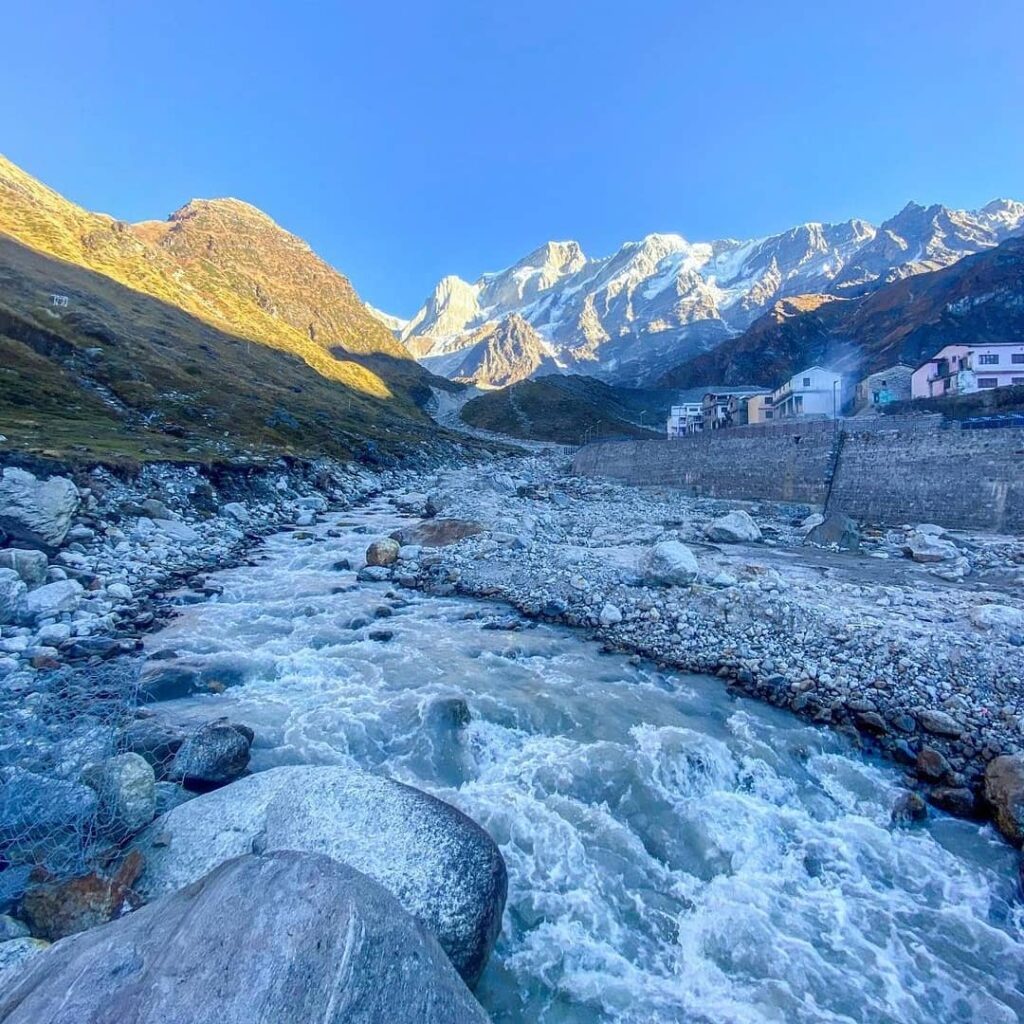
(910, 640)
(89, 562)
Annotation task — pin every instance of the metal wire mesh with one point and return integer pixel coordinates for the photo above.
(54, 727)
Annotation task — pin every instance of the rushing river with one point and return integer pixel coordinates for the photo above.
(674, 853)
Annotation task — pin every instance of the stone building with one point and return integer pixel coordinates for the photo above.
(889, 385)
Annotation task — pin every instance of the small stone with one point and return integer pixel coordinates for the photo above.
(908, 809)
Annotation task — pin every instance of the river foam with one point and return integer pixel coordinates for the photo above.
(675, 854)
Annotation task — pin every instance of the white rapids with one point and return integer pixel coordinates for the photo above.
(675, 853)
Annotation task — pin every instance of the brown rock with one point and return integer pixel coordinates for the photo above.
(439, 533)
(956, 800)
(382, 552)
(1004, 791)
(58, 909)
(931, 764)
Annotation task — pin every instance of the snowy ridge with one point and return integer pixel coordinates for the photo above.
(662, 299)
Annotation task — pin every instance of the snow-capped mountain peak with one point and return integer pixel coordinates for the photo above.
(664, 298)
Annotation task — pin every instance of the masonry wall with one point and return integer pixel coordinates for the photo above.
(909, 472)
(779, 463)
(953, 477)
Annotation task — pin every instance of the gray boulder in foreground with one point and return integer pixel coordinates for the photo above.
(36, 512)
(443, 868)
(287, 938)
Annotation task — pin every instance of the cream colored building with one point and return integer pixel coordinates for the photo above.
(759, 409)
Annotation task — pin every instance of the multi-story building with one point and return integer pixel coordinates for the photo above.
(816, 391)
(964, 369)
(759, 408)
(683, 419)
(726, 407)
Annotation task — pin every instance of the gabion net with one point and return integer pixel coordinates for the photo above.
(58, 796)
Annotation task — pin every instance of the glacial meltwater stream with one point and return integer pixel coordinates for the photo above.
(675, 854)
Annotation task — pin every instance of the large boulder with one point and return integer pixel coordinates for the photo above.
(925, 547)
(36, 512)
(670, 564)
(443, 868)
(734, 528)
(836, 531)
(282, 939)
(51, 600)
(28, 563)
(12, 594)
(1004, 792)
(213, 755)
(382, 552)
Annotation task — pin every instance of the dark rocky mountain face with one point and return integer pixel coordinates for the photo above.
(498, 354)
(979, 298)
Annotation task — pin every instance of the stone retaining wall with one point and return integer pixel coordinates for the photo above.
(889, 471)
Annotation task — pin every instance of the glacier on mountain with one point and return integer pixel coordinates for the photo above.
(657, 301)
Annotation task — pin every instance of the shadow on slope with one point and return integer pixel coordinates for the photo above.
(570, 410)
(119, 374)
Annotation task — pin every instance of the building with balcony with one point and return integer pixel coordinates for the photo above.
(816, 391)
(727, 407)
(964, 369)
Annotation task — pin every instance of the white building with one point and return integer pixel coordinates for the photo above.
(816, 391)
(684, 419)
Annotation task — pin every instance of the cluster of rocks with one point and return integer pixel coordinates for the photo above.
(320, 892)
(106, 806)
(84, 565)
(911, 640)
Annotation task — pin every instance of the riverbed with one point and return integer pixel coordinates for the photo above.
(676, 853)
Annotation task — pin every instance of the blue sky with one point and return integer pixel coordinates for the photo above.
(406, 141)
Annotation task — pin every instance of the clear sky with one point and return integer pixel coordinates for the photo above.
(406, 141)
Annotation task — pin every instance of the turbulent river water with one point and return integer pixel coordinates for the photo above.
(675, 853)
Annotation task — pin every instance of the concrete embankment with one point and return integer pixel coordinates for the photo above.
(885, 471)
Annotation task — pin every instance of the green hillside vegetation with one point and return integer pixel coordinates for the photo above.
(212, 335)
(569, 409)
(118, 373)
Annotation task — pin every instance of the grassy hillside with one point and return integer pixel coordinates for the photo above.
(213, 334)
(119, 373)
(568, 409)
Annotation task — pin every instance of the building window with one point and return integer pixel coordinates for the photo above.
(1017, 358)
(988, 359)
(988, 382)
(807, 382)
(768, 412)
(1016, 381)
